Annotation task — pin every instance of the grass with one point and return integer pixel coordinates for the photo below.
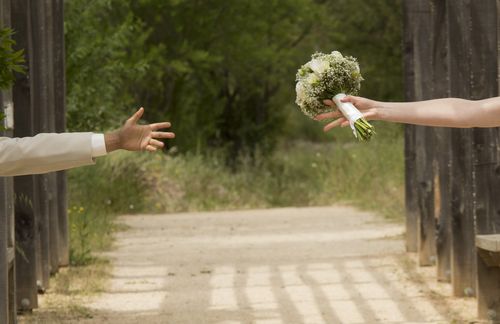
(298, 173)
(70, 288)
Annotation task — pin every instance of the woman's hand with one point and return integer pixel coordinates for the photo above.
(366, 106)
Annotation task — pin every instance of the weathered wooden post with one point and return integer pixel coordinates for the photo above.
(441, 165)
(60, 126)
(25, 186)
(424, 136)
(411, 203)
(40, 99)
(463, 264)
(486, 149)
(50, 115)
(7, 243)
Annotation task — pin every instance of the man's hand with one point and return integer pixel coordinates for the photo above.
(134, 137)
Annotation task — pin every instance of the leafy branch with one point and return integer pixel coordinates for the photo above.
(11, 61)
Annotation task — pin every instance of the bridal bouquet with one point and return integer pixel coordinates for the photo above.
(332, 76)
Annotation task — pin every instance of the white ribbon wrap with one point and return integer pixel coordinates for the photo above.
(350, 112)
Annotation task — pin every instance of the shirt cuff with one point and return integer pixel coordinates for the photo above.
(98, 145)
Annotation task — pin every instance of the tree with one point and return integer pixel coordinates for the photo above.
(222, 71)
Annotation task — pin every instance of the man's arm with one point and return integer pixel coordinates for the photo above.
(53, 152)
(44, 153)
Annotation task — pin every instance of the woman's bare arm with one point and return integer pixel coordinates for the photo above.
(448, 112)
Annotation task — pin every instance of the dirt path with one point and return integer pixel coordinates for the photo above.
(294, 265)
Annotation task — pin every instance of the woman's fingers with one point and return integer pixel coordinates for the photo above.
(334, 124)
(351, 99)
(369, 114)
(331, 114)
(329, 102)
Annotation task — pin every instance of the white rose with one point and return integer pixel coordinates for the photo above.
(319, 66)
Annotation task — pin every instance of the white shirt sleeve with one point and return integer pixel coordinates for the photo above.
(98, 145)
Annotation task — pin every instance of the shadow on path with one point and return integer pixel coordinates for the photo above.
(293, 265)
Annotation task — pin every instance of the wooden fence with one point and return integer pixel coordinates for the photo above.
(37, 204)
(451, 48)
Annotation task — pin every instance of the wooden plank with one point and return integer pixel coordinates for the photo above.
(411, 204)
(40, 100)
(486, 148)
(50, 116)
(463, 255)
(7, 273)
(489, 242)
(60, 126)
(26, 233)
(441, 162)
(4, 283)
(424, 135)
(488, 288)
(11, 255)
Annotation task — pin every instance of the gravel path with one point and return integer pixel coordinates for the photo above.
(291, 265)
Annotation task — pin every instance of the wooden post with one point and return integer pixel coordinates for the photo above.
(424, 140)
(4, 259)
(411, 203)
(486, 146)
(463, 255)
(60, 126)
(7, 242)
(40, 100)
(25, 187)
(51, 127)
(441, 163)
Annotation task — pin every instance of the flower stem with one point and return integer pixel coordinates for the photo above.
(364, 129)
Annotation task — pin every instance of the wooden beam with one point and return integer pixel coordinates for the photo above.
(424, 140)
(486, 148)
(40, 100)
(442, 142)
(411, 203)
(25, 187)
(463, 255)
(60, 126)
(489, 242)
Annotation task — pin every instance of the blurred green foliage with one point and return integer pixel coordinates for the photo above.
(11, 61)
(222, 71)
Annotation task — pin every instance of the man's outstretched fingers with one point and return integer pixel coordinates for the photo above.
(151, 148)
(157, 126)
(135, 117)
(156, 143)
(163, 135)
